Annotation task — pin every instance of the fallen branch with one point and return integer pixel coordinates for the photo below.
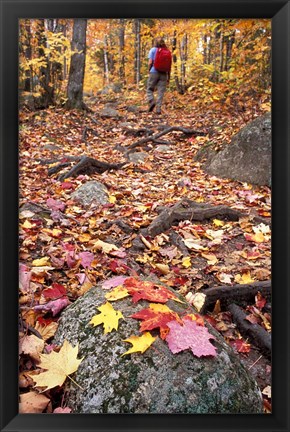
(235, 293)
(257, 334)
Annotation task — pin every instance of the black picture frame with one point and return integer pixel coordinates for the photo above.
(11, 11)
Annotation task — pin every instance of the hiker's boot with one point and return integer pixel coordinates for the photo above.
(151, 105)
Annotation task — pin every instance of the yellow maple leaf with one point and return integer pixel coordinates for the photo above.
(85, 237)
(59, 366)
(105, 247)
(140, 343)
(218, 222)
(186, 262)
(112, 199)
(244, 279)
(158, 307)
(117, 293)
(109, 317)
(41, 262)
(27, 224)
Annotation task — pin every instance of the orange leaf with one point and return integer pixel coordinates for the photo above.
(148, 291)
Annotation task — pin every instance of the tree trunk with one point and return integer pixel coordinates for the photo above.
(77, 65)
(121, 50)
(27, 53)
(106, 61)
(44, 77)
(230, 40)
(221, 48)
(56, 68)
(174, 59)
(183, 57)
(205, 49)
(137, 59)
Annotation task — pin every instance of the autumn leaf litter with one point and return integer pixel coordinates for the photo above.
(66, 249)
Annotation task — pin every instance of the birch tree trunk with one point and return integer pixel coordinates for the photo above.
(106, 61)
(121, 50)
(137, 28)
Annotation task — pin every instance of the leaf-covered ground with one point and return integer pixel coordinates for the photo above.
(65, 249)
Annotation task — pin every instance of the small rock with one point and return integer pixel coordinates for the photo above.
(163, 148)
(111, 88)
(109, 112)
(133, 108)
(138, 157)
(91, 192)
(51, 147)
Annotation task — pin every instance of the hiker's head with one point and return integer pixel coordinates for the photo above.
(159, 42)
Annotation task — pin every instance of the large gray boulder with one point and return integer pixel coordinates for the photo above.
(248, 157)
(92, 192)
(156, 381)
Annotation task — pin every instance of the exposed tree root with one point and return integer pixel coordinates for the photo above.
(121, 224)
(257, 334)
(85, 165)
(155, 138)
(191, 210)
(236, 293)
(177, 241)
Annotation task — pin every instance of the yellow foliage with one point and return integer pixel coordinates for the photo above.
(59, 366)
(109, 317)
(140, 343)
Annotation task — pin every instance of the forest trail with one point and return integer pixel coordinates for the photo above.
(190, 257)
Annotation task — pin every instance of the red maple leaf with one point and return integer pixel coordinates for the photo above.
(190, 336)
(156, 316)
(56, 291)
(58, 299)
(260, 300)
(147, 291)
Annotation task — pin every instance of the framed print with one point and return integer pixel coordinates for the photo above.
(144, 167)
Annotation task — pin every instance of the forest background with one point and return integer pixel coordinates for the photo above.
(223, 63)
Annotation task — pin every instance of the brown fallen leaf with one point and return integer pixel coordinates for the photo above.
(46, 331)
(31, 345)
(33, 403)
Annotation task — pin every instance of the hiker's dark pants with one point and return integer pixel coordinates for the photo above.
(156, 80)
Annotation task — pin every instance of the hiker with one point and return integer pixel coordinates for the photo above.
(159, 73)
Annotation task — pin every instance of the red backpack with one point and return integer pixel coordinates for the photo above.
(162, 61)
